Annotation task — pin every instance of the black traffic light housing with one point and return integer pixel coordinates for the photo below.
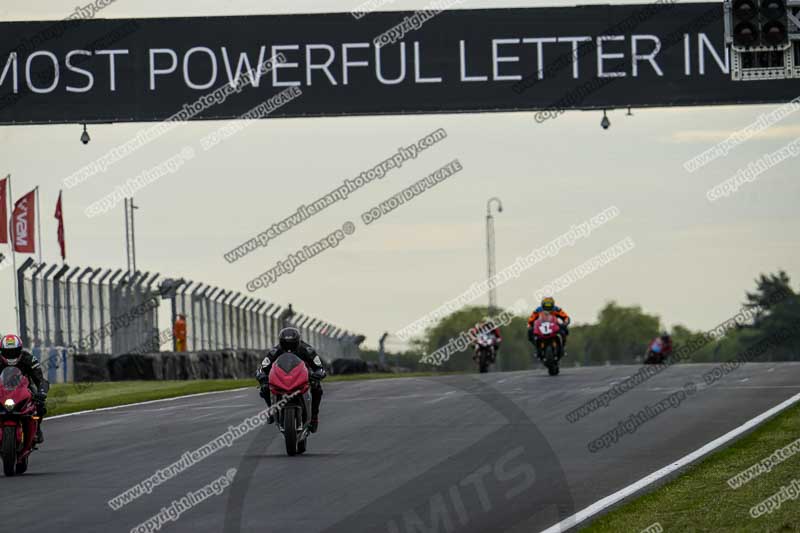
(774, 28)
(759, 23)
(745, 23)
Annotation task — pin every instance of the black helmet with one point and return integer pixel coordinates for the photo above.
(664, 335)
(289, 339)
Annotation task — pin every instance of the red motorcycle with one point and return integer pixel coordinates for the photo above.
(549, 344)
(18, 420)
(291, 397)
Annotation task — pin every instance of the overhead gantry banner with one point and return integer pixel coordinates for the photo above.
(111, 70)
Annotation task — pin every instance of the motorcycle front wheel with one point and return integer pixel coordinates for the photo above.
(9, 450)
(483, 363)
(291, 419)
(550, 360)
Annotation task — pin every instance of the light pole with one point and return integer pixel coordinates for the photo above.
(382, 349)
(490, 258)
(130, 234)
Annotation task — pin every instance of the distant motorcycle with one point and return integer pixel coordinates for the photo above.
(549, 344)
(18, 420)
(485, 352)
(289, 386)
(655, 353)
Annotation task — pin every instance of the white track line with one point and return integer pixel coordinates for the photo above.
(145, 403)
(608, 501)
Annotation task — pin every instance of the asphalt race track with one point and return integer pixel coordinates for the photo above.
(490, 452)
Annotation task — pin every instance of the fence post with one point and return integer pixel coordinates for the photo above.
(113, 308)
(307, 332)
(58, 336)
(311, 334)
(196, 320)
(340, 342)
(317, 335)
(218, 296)
(244, 304)
(48, 288)
(302, 321)
(144, 332)
(119, 333)
(334, 337)
(227, 313)
(325, 341)
(154, 293)
(265, 319)
(79, 310)
(247, 304)
(68, 305)
(295, 322)
(222, 324)
(275, 326)
(252, 320)
(232, 324)
(236, 324)
(258, 334)
(104, 317)
(205, 324)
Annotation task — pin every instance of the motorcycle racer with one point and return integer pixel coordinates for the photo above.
(289, 341)
(13, 354)
(548, 304)
(489, 328)
(659, 349)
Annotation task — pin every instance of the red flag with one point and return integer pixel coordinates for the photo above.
(23, 224)
(60, 217)
(3, 211)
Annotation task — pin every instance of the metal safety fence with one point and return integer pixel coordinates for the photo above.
(115, 312)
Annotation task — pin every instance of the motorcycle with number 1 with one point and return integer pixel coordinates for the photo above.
(549, 343)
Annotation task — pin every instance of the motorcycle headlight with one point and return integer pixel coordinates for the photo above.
(9, 404)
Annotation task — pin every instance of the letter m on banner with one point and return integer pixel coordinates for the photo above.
(3, 210)
(23, 224)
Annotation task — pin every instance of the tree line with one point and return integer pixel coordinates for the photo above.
(621, 334)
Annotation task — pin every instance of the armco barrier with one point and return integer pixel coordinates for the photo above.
(223, 364)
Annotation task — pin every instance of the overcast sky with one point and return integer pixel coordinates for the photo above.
(692, 262)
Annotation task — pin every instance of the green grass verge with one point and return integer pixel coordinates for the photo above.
(700, 499)
(73, 397)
